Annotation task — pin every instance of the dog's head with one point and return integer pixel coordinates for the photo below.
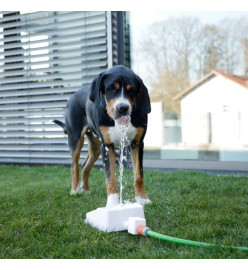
(121, 91)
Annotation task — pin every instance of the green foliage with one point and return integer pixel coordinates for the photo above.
(39, 219)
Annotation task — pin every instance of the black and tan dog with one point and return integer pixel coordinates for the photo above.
(116, 97)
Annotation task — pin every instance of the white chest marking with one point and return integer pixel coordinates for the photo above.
(115, 133)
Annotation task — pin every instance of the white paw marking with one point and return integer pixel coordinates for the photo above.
(142, 201)
(73, 192)
(113, 199)
(79, 190)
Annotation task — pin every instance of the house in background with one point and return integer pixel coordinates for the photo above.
(154, 138)
(214, 112)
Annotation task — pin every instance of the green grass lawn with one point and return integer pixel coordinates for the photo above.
(39, 219)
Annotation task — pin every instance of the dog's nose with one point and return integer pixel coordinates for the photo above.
(122, 109)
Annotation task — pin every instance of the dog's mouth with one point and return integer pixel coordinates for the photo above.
(122, 113)
(123, 120)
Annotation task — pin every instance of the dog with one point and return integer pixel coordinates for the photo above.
(116, 97)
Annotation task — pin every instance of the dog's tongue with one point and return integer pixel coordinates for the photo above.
(123, 120)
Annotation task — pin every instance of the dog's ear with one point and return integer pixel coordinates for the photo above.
(96, 88)
(143, 100)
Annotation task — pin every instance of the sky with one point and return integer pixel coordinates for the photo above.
(141, 19)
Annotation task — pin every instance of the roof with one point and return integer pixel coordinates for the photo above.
(241, 80)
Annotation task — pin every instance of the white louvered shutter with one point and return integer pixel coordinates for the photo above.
(44, 58)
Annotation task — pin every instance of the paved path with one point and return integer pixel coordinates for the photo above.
(213, 166)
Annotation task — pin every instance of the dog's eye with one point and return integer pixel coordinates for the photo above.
(115, 86)
(111, 88)
(129, 87)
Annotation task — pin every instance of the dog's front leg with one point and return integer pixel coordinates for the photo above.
(137, 160)
(108, 154)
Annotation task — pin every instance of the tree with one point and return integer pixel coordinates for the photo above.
(242, 25)
(210, 50)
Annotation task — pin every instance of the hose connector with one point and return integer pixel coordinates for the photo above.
(142, 230)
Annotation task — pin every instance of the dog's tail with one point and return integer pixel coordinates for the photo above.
(61, 124)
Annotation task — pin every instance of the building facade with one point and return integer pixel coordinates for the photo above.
(214, 112)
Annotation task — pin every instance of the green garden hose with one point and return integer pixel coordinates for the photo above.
(145, 231)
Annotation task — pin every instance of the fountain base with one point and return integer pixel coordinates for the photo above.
(117, 218)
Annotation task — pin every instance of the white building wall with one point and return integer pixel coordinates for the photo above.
(155, 131)
(214, 94)
(227, 126)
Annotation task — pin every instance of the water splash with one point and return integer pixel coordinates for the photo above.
(124, 142)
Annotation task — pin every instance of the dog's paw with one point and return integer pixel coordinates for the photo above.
(142, 201)
(79, 190)
(113, 199)
(76, 191)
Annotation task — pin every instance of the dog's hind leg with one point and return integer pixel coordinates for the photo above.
(76, 144)
(94, 150)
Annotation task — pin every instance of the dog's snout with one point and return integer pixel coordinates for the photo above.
(122, 109)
